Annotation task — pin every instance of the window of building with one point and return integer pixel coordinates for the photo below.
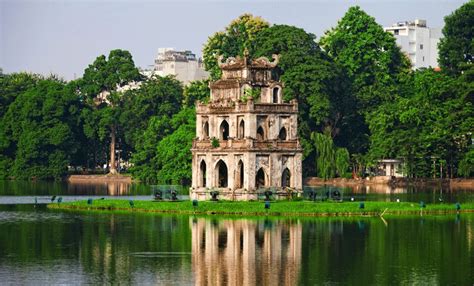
(206, 130)
(421, 46)
(282, 135)
(285, 178)
(221, 174)
(275, 94)
(241, 129)
(240, 175)
(260, 133)
(395, 32)
(224, 130)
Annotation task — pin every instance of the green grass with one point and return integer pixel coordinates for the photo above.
(277, 208)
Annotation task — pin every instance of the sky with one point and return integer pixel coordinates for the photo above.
(64, 37)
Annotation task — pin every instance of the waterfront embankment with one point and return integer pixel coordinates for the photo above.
(275, 208)
(392, 182)
(99, 179)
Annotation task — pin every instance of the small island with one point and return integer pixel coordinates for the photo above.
(296, 208)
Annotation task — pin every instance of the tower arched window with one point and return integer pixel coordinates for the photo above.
(241, 129)
(260, 133)
(276, 92)
(205, 130)
(224, 130)
(282, 134)
(240, 175)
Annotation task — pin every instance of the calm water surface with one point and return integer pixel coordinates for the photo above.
(41, 246)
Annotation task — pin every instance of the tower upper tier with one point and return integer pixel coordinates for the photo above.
(244, 79)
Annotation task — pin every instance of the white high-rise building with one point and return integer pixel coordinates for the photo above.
(419, 42)
(182, 64)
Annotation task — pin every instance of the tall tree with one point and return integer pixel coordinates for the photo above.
(313, 79)
(236, 37)
(369, 54)
(12, 85)
(432, 122)
(457, 46)
(164, 155)
(373, 64)
(325, 155)
(100, 85)
(41, 124)
(158, 96)
(196, 90)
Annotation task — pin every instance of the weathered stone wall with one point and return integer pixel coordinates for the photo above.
(239, 140)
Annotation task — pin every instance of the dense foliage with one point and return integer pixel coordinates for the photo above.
(38, 134)
(359, 101)
(456, 48)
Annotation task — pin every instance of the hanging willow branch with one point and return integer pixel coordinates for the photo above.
(329, 159)
(324, 155)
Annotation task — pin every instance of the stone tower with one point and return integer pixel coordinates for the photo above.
(246, 135)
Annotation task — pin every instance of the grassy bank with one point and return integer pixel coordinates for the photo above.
(277, 208)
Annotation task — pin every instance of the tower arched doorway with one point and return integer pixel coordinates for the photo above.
(285, 178)
(221, 174)
(202, 175)
(260, 179)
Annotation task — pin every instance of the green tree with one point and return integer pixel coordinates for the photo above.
(433, 122)
(325, 155)
(370, 56)
(457, 46)
(165, 156)
(12, 85)
(342, 161)
(196, 90)
(174, 151)
(314, 80)
(310, 76)
(466, 165)
(236, 37)
(99, 87)
(158, 96)
(41, 124)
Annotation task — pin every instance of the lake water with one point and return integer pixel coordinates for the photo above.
(41, 246)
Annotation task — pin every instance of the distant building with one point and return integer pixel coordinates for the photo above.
(390, 168)
(182, 64)
(419, 42)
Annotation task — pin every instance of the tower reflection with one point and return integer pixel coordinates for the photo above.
(246, 252)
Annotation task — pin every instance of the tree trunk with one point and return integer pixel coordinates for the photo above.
(113, 169)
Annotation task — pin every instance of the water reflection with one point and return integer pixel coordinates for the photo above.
(104, 188)
(383, 192)
(43, 188)
(40, 246)
(246, 252)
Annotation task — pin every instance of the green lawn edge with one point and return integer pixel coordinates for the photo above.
(277, 208)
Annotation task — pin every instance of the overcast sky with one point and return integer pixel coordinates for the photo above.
(63, 37)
